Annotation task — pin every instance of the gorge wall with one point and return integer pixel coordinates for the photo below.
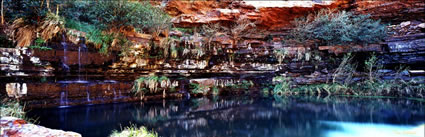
(252, 58)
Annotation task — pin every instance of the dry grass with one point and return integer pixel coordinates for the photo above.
(21, 33)
(24, 34)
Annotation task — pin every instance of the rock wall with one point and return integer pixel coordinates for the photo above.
(391, 11)
(271, 15)
(255, 54)
(70, 93)
(22, 62)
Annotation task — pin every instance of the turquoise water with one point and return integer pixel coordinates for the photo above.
(247, 117)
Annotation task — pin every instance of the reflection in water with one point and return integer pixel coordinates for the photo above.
(287, 117)
(351, 129)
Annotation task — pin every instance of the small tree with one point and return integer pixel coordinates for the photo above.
(241, 27)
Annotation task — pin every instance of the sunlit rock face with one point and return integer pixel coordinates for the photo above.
(268, 14)
(16, 90)
(22, 62)
(177, 7)
(15, 127)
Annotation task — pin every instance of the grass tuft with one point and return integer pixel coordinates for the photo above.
(133, 131)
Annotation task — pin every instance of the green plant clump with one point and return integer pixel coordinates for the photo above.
(133, 131)
(12, 109)
(283, 85)
(152, 84)
(338, 27)
(199, 88)
(39, 42)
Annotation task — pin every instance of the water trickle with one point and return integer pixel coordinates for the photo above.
(65, 46)
(62, 102)
(88, 94)
(115, 94)
(81, 50)
(119, 93)
(64, 97)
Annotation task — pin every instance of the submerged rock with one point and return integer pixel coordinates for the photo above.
(15, 127)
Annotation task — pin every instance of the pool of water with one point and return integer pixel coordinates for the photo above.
(247, 117)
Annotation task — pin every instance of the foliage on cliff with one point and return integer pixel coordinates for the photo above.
(106, 15)
(153, 84)
(338, 27)
(103, 20)
(28, 20)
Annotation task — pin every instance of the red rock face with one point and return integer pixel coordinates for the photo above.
(189, 14)
(52, 94)
(178, 7)
(275, 17)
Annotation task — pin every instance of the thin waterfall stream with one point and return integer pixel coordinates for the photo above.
(82, 51)
(65, 46)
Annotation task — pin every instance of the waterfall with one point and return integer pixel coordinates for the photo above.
(62, 102)
(82, 48)
(115, 94)
(119, 93)
(65, 46)
(64, 97)
(88, 94)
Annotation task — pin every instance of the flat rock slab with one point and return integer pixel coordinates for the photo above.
(15, 127)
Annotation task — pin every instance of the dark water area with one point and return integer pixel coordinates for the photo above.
(246, 117)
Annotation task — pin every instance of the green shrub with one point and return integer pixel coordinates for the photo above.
(338, 27)
(215, 90)
(109, 14)
(32, 11)
(99, 18)
(12, 109)
(39, 45)
(283, 85)
(372, 66)
(97, 36)
(133, 131)
(199, 88)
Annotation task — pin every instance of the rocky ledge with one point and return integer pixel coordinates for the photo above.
(15, 127)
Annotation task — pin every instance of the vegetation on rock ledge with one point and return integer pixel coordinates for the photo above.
(343, 82)
(332, 27)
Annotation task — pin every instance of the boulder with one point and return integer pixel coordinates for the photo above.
(15, 127)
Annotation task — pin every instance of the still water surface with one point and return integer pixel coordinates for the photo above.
(247, 117)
